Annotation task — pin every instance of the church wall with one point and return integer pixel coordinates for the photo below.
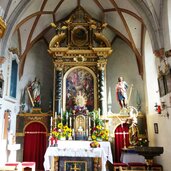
(152, 97)
(122, 62)
(38, 64)
(7, 103)
(167, 26)
(166, 22)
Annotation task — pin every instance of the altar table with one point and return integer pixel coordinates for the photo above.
(78, 149)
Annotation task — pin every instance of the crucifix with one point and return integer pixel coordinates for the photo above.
(124, 137)
(75, 168)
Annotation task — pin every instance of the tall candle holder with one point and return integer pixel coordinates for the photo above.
(89, 129)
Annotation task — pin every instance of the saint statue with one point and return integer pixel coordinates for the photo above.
(34, 93)
(121, 92)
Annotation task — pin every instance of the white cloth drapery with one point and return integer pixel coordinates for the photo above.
(78, 149)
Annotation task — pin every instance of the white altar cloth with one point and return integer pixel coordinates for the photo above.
(78, 149)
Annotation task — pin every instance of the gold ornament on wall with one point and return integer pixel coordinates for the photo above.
(2, 27)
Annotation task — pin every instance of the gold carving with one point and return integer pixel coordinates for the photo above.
(81, 39)
(55, 42)
(2, 27)
(75, 168)
(75, 162)
(59, 65)
(80, 58)
(101, 64)
(19, 134)
(97, 164)
(101, 37)
(102, 51)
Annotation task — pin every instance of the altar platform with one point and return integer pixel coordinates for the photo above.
(78, 149)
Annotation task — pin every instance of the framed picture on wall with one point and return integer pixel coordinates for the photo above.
(156, 130)
(167, 79)
(162, 88)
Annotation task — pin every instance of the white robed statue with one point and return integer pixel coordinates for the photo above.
(34, 93)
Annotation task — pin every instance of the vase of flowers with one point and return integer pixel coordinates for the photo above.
(61, 132)
(99, 133)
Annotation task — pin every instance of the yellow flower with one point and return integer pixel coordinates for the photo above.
(100, 132)
(98, 127)
(60, 125)
(65, 127)
(93, 137)
(69, 135)
(53, 25)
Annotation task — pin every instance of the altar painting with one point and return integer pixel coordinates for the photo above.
(79, 90)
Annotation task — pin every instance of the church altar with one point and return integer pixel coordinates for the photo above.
(78, 149)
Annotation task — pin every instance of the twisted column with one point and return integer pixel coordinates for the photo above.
(58, 88)
(101, 84)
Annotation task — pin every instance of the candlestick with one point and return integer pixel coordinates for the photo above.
(73, 133)
(50, 121)
(99, 113)
(89, 122)
(56, 119)
(61, 114)
(86, 132)
(94, 118)
(66, 117)
(70, 122)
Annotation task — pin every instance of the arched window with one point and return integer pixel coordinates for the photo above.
(12, 76)
(14, 73)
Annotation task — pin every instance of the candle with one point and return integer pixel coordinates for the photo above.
(86, 132)
(61, 114)
(50, 121)
(70, 122)
(89, 122)
(73, 132)
(56, 119)
(66, 116)
(94, 118)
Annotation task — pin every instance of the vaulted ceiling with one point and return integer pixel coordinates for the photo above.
(29, 21)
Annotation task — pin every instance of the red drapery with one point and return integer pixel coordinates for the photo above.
(121, 132)
(35, 144)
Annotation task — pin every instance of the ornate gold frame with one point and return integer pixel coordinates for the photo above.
(95, 85)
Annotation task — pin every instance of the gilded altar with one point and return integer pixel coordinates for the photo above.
(79, 52)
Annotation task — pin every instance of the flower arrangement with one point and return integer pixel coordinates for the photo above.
(100, 133)
(61, 131)
(94, 144)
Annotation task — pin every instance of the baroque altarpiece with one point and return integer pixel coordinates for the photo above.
(79, 51)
